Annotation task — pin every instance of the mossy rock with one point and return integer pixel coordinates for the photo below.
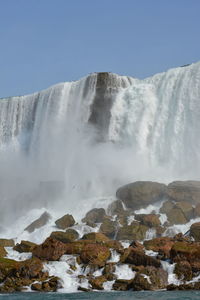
(69, 236)
(135, 231)
(95, 215)
(108, 227)
(7, 242)
(65, 221)
(96, 237)
(3, 252)
(24, 246)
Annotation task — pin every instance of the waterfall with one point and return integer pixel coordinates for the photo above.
(97, 133)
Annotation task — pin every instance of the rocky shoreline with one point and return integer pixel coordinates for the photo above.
(134, 244)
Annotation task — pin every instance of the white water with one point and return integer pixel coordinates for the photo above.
(49, 145)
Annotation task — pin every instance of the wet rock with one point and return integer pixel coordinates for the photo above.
(3, 252)
(108, 271)
(176, 216)
(150, 220)
(31, 268)
(162, 245)
(185, 251)
(7, 242)
(183, 271)
(121, 285)
(65, 222)
(166, 207)
(41, 221)
(115, 245)
(24, 246)
(141, 193)
(8, 267)
(95, 215)
(108, 227)
(95, 254)
(91, 224)
(115, 208)
(138, 258)
(186, 208)
(188, 191)
(51, 249)
(195, 231)
(97, 282)
(197, 211)
(135, 231)
(150, 278)
(82, 289)
(96, 237)
(68, 236)
(137, 245)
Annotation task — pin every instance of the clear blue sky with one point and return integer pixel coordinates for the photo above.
(43, 42)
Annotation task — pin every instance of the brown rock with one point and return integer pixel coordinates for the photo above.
(195, 231)
(141, 193)
(115, 208)
(184, 191)
(197, 211)
(183, 270)
(95, 215)
(166, 207)
(135, 231)
(186, 208)
(162, 245)
(138, 258)
(97, 282)
(68, 236)
(65, 221)
(7, 242)
(108, 271)
(150, 278)
(185, 251)
(96, 237)
(24, 246)
(121, 285)
(51, 249)
(108, 227)
(176, 216)
(150, 220)
(95, 254)
(41, 221)
(3, 252)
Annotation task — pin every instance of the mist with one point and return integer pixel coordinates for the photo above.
(74, 143)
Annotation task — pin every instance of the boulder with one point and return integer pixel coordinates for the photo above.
(51, 249)
(185, 251)
(41, 221)
(186, 208)
(68, 236)
(197, 211)
(95, 215)
(7, 243)
(141, 193)
(115, 208)
(24, 246)
(137, 257)
(188, 191)
(176, 216)
(97, 282)
(96, 237)
(195, 231)
(150, 278)
(108, 227)
(108, 271)
(183, 271)
(8, 267)
(121, 285)
(95, 254)
(150, 220)
(162, 245)
(3, 252)
(166, 207)
(135, 231)
(65, 222)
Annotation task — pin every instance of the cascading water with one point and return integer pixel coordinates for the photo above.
(98, 133)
